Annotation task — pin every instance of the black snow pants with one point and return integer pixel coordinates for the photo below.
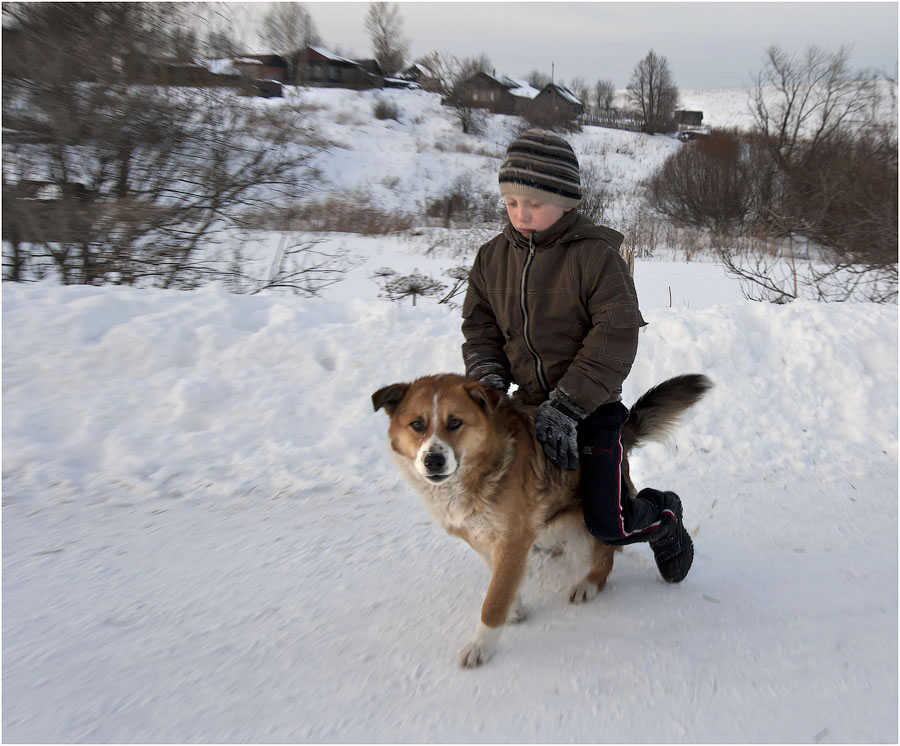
(611, 514)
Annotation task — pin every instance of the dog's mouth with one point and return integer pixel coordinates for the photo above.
(436, 478)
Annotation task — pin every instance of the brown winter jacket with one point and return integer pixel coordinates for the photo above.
(577, 328)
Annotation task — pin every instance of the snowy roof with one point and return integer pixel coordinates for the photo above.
(523, 89)
(566, 94)
(221, 67)
(505, 82)
(333, 57)
(401, 82)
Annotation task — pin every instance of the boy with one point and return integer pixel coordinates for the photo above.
(552, 307)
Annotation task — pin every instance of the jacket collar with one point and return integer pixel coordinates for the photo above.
(543, 239)
(570, 227)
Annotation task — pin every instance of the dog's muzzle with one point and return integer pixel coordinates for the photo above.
(436, 461)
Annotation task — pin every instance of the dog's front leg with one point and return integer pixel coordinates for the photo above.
(508, 560)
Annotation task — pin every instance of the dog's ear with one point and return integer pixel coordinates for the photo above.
(486, 397)
(389, 397)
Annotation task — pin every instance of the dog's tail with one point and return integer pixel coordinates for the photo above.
(654, 415)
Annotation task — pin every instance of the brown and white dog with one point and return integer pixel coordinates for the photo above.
(471, 453)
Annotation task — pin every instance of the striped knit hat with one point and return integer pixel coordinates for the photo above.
(542, 166)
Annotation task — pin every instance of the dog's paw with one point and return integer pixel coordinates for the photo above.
(481, 649)
(473, 655)
(583, 592)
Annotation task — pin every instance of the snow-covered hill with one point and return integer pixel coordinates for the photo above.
(204, 539)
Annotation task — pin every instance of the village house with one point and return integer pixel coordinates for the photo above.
(689, 118)
(555, 102)
(415, 73)
(498, 95)
(322, 68)
(264, 67)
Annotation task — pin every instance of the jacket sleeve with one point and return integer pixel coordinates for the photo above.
(483, 347)
(608, 351)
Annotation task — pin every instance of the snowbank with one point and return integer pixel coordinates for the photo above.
(204, 538)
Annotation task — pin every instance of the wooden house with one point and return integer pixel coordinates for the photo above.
(556, 102)
(499, 95)
(689, 118)
(264, 67)
(320, 67)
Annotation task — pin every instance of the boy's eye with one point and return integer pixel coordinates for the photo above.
(418, 425)
(454, 424)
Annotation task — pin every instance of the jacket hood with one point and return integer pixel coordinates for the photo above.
(573, 226)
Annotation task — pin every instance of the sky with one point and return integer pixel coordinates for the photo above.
(708, 45)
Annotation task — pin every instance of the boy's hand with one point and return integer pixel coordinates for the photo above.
(495, 380)
(556, 428)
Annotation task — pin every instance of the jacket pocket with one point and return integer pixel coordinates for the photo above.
(625, 317)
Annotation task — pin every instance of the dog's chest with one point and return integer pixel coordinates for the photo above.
(453, 510)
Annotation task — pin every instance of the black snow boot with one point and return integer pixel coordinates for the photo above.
(672, 546)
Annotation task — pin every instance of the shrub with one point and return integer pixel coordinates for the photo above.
(386, 110)
(464, 203)
(341, 216)
(712, 181)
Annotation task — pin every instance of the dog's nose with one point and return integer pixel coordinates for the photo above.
(435, 461)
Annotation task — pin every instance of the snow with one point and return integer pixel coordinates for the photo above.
(222, 67)
(204, 538)
(567, 94)
(726, 108)
(521, 88)
(331, 56)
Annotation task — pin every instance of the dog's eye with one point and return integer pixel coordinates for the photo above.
(454, 424)
(418, 425)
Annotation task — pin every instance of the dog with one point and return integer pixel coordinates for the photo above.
(471, 453)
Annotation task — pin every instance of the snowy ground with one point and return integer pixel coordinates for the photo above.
(204, 539)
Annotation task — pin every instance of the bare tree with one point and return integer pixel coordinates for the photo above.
(580, 88)
(471, 119)
(385, 26)
(138, 184)
(837, 169)
(185, 44)
(604, 95)
(653, 93)
(538, 79)
(466, 67)
(802, 104)
(289, 29)
(220, 43)
(439, 72)
(447, 71)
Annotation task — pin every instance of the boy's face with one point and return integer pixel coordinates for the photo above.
(528, 215)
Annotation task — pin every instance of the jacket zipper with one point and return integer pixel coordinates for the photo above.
(538, 365)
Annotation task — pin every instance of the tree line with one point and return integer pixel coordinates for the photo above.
(816, 179)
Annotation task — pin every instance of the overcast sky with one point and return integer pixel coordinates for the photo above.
(707, 44)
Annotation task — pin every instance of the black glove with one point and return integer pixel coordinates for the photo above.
(556, 428)
(495, 380)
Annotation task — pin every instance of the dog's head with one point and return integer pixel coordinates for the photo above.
(438, 423)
